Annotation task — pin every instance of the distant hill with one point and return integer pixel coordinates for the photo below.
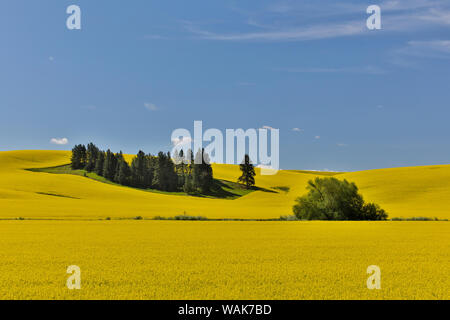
(403, 192)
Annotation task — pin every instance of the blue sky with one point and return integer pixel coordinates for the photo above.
(344, 97)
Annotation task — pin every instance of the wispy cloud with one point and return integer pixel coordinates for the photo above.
(362, 70)
(436, 16)
(427, 49)
(310, 20)
(297, 130)
(59, 141)
(268, 128)
(290, 34)
(150, 106)
(410, 54)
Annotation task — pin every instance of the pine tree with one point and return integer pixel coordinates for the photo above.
(190, 162)
(172, 177)
(248, 173)
(202, 172)
(109, 167)
(91, 157)
(123, 176)
(180, 168)
(149, 171)
(176, 157)
(99, 163)
(160, 178)
(138, 168)
(78, 160)
(75, 160)
(188, 186)
(119, 158)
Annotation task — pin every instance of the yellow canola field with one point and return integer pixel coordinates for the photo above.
(403, 192)
(224, 260)
(24, 194)
(130, 259)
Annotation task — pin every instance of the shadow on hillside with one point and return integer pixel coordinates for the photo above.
(221, 189)
(224, 189)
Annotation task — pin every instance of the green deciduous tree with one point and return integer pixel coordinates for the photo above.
(333, 199)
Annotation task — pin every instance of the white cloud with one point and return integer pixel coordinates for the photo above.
(410, 54)
(317, 137)
(361, 70)
(310, 20)
(62, 141)
(297, 130)
(150, 106)
(431, 48)
(436, 16)
(290, 34)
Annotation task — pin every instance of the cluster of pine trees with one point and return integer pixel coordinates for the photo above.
(147, 171)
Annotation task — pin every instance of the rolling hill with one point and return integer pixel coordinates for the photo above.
(403, 192)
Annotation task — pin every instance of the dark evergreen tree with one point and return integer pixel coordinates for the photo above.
(202, 172)
(160, 178)
(109, 166)
(189, 186)
(180, 167)
(123, 175)
(165, 177)
(138, 169)
(100, 163)
(118, 159)
(147, 171)
(78, 160)
(248, 173)
(189, 162)
(172, 177)
(91, 157)
(176, 158)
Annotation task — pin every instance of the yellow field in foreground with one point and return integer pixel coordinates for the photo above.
(224, 260)
(403, 192)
